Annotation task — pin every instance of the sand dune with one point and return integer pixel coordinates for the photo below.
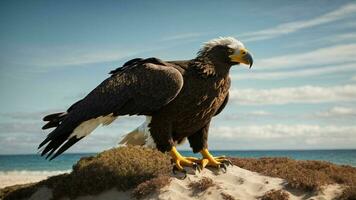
(237, 183)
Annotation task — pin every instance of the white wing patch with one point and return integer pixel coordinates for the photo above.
(85, 128)
(140, 136)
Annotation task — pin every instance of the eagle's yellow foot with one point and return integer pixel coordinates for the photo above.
(208, 160)
(180, 162)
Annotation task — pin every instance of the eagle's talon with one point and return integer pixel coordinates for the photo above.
(176, 169)
(196, 167)
(222, 167)
(223, 159)
(180, 162)
(227, 162)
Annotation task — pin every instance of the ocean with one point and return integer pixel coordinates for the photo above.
(36, 164)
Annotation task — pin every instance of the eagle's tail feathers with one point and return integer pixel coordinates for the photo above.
(66, 146)
(67, 133)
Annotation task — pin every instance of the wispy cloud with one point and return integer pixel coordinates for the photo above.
(247, 115)
(338, 54)
(281, 136)
(341, 37)
(338, 111)
(20, 127)
(183, 36)
(342, 12)
(332, 59)
(298, 73)
(28, 115)
(303, 94)
(283, 131)
(69, 56)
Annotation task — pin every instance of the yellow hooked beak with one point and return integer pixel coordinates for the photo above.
(242, 56)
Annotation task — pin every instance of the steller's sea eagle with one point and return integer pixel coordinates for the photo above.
(178, 98)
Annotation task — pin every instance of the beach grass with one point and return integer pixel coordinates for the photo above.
(201, 185)
(304, 175)
(122, 168)
(275, 195)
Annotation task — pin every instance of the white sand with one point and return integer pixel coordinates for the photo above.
(237, 182)
(240, 184)
(22, 177)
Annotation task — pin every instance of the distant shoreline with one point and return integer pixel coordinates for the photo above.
(34, 162)
(187, 150)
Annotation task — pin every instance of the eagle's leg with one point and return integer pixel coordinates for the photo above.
(209, 160)
(180, 161)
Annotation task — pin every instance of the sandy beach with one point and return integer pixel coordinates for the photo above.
(22, 177)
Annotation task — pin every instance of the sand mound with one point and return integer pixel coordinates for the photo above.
(237, 183)
(134, 172)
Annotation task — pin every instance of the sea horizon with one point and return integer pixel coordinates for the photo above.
(187, 150)
(34, 163)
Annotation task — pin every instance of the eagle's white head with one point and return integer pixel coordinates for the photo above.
(223, 41)
(227, 49)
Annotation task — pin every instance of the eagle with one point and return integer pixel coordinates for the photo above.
(178, 98)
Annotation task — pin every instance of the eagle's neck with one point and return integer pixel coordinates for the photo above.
(207, 67)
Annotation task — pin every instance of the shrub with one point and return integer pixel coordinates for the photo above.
(275, 195)
(150, 186)
(123, 168)
(201, 185)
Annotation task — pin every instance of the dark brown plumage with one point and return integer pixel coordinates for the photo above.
(181, 97)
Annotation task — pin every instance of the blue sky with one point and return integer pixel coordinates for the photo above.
(300, 94)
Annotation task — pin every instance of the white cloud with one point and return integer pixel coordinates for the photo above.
(305, 72)
(343, 12)
(281, 136)
(276, 131)
(29, 115)
(338, 54)
(328, 60)
(338, 111)
(246, 115)
(20, 127)
(342, 37)
(68, 56)
(353, 78)
(58, 56)
(303, 94)
(183, 36)
(259, 113)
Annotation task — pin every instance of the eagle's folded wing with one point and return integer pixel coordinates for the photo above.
(141, 88)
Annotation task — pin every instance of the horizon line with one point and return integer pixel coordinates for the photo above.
(185, 150)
